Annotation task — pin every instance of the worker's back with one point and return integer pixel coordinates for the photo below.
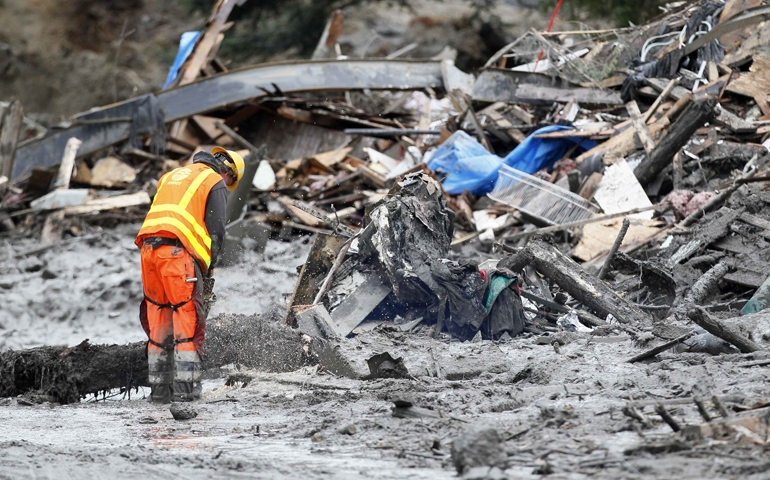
(179, 209)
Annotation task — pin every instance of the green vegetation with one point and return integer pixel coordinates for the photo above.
(269, 27)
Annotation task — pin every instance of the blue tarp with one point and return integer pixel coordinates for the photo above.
(534, 154)
(186, 45)
(469, 166)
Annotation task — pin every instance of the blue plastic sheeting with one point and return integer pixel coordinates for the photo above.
(535, 154)
(186, 45)
(469, 166)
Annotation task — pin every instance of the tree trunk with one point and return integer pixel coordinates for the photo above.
(70, 373)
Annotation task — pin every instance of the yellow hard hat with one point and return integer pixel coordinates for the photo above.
(238, 165)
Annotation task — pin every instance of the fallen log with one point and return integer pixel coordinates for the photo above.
(695, 116)
(68, 374)
(585, 288)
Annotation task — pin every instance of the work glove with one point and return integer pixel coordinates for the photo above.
(209, 297)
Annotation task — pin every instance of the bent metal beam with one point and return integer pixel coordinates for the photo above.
(105, 126)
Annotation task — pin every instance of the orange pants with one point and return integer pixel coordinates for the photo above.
(164, 271)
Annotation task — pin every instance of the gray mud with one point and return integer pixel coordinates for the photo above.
(561, 412)
(558, 409)
(92, 289)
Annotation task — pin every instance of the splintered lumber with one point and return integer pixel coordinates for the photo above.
(666, 416)
(640, 126)
(756, 83)
(53, 227)
(109, 203)
(191, 68)
(10, 125)
(725, 332)
(67, 164)
(68, 374)
(312, 277)
(697, 114)
(587, 289)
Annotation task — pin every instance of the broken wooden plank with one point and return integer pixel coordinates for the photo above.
(109, 203)
(356, 306)
(640, 126)
(660, 348)
(53, 227)
(216, 24)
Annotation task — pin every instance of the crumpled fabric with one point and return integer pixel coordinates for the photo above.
(463, 286)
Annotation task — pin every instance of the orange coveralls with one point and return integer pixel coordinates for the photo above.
(176, 249)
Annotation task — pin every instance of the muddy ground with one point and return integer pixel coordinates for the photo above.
(92, 287)
(560, 408)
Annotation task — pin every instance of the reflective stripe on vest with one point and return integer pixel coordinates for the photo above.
(202, 251)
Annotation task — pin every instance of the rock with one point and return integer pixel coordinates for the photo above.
(31, 264)
(484, 473)
(48, 274)
(147, 420)
(478, 446)
(181, 411)
(349, 429)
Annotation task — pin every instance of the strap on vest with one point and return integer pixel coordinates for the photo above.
(172, 306)
(156, 242)
(170, 346)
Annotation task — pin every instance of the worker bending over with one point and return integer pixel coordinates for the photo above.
(180, 239)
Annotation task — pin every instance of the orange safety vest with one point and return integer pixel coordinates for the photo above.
(179, 208)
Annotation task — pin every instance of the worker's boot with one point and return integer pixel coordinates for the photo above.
(187, 391)
(161, 393)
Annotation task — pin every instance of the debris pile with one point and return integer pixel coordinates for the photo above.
(615, 185)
